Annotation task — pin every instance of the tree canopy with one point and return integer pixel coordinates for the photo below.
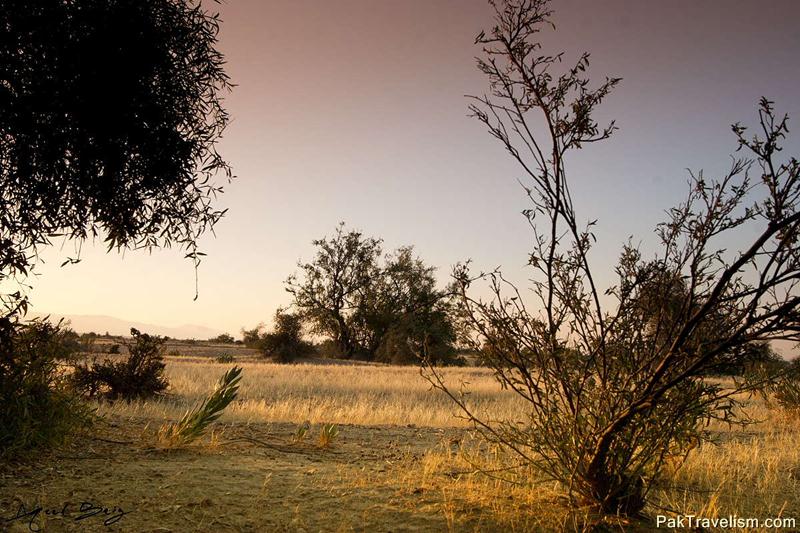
(109, 117)
(110, 113)
(371, 308)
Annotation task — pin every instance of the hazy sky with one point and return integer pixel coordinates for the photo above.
(354, 110)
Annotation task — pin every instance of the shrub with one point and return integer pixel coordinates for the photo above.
(252, 337)
(37, 408)
(225, 338)
(87, 342)
(329, 348)
(285, 342)
(787, 395)
(113, 349)
(140, 376)
(226, 358)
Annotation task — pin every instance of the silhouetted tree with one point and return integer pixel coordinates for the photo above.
(110, 112)
(252, 337)
(330, 290)
(405, 313)
(659, 306)
(109, 117)
(371, 309)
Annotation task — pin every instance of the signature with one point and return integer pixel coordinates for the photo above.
(78, 513)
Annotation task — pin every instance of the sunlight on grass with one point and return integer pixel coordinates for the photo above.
(751, 472)
(747, 472)
(364, 395)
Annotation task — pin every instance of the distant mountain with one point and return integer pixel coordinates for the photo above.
(117, 326)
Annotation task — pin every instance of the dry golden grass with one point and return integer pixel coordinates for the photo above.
(747, 472)
(320, 393)
(750, 472)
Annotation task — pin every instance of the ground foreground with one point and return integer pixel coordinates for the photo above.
(265, 483)
(400, 462)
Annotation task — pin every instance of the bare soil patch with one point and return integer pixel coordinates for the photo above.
(254, 478)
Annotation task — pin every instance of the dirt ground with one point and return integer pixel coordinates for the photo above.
(254, 478)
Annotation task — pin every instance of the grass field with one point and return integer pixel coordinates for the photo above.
(402, 461)
(327, 393)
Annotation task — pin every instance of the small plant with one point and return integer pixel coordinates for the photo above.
(301, 432)
(113, 349)
(224, 359)
(327, 434)
(140, 376)
(195, 422)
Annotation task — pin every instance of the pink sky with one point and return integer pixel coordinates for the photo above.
(354, 110)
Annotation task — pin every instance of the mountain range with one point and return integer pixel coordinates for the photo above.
(117, 326)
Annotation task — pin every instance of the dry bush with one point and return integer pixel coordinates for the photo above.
(140, 376)
(747, 474)
(612, 395)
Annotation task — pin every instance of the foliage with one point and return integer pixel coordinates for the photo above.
(374, 310)
(71, 341)
(329, 348)
(659, 301)
(613, 395)
(109, 118)
(37, 408)
(87, 342)
(113, 349)
(785, 390)
(285, 342)
(140, 376)
(404, 315)
(225, 358)
(224, 338)
(330, 289)
(195, 422)
(787, 394)
(110, 113)
(252, 337)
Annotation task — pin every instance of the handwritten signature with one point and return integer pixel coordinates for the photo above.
(83, 511)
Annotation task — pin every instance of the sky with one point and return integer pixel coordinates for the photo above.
(355, 111)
